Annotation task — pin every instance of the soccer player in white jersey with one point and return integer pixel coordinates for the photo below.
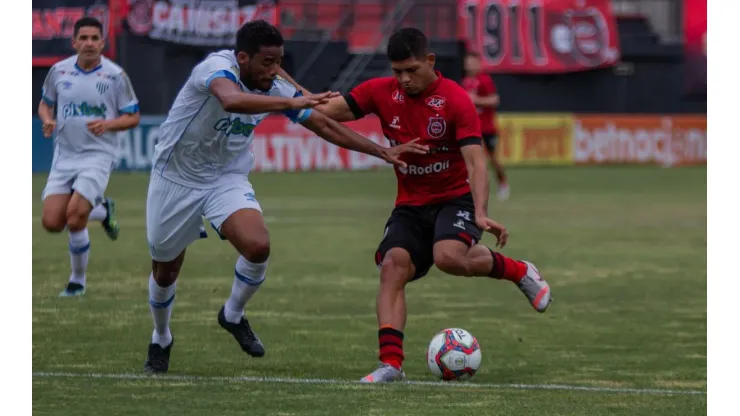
(93, 99)
(200, 168)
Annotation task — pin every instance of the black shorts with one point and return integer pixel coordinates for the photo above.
(490, 141)
(417, 228)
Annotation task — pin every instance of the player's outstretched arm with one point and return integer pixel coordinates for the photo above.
(337, 109)
(335, 133)
(234, 100)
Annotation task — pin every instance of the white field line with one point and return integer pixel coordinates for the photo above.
(290, 380)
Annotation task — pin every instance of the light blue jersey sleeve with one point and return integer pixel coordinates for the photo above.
(285, 89)
(213, 67)
(126, 100)
(49, 89)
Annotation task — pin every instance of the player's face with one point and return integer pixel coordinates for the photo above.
(472, 65)
(89, 43)
(260, 70)
(414, 74)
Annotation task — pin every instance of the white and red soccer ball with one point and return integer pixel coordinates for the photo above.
(454, 354)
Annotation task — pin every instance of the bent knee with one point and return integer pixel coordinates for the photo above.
(451, 263)
(53, 224)
(257, 250)
(396, 269)
(76, 221)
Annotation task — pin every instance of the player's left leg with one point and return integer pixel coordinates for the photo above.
(237, 216)
(88, 188)
(457, 252)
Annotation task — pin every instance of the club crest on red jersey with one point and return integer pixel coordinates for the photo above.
(436, 102)
(437, 127)
(397, 96)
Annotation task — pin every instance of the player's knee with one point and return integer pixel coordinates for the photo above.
(395, 271)
(76, 221)
(451, 263)
(257, 249)
(165, 273)
(53, 224)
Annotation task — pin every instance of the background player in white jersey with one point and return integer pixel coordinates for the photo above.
(93, 99)
(201, 165)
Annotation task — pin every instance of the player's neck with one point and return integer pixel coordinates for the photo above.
(88, 65)
(471, 74)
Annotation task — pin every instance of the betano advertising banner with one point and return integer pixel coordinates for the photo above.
(667, 140)
(524, 139)
(53, 27)
(211, 23)
(535, 36)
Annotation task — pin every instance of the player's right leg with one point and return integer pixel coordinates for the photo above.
(491, 141)
(404, 255)
(173, 220)
(237, 216)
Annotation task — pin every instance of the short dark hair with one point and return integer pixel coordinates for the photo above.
(256, 34)
(407, 43)
(87, 21)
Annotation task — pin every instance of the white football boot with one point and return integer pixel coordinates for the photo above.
(535, 288)
(386, 373)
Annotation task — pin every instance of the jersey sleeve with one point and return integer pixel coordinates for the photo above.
(361, 100)
(213, 67)
(467, 124)
(126, 100)
(49, 89)
(285, 89)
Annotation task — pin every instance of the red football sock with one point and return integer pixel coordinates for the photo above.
(507, 268)
(391, 346)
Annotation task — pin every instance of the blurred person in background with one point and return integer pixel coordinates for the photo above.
(94, 100)
(483, 92)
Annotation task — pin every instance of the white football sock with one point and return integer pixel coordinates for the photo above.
(161, 301)
(79, 249)
(98, 213)
(248, 277)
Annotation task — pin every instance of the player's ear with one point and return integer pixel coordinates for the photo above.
(431, 59)
(242, 58)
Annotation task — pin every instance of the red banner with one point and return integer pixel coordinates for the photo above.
(282, 146)
(695, 43)
(53, 26)
(535, 36)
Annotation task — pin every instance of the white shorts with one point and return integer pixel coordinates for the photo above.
(174, 212)
(90, 182)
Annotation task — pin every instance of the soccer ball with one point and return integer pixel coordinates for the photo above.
(454, 354)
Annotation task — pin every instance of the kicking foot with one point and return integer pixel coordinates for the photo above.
(535, 288)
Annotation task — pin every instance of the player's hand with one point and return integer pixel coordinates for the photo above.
(392, 154)
(97, 127)
(311, 101)
(491, 226)
(48, 128)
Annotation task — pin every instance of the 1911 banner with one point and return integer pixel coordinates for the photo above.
(211, 23)
(532, 36)
(695, 41)
(53, 26)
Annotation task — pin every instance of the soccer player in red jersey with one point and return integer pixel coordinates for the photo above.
(442, 204)
(485, 96)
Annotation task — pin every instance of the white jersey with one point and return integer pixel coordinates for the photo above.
(202, 145)
(80, 97)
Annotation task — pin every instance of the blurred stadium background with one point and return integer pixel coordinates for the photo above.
(602, 129)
